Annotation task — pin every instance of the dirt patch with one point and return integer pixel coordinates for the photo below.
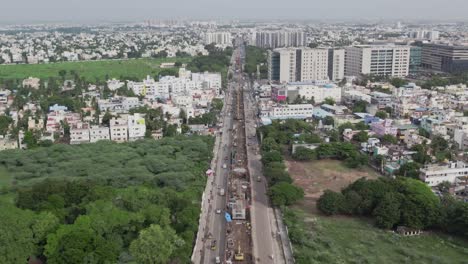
(319, 175)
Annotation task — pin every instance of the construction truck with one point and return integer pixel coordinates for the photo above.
(239, 256)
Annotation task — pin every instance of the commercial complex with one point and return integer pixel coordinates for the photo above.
(222, 38)
(383, 60)
(445, 57)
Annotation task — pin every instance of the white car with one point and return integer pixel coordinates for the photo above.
(217, 260)
(218, 211)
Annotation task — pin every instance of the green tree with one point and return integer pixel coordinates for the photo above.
(155, 245)
(285, 193)
(409, 169)
(30, 139)
(271, 156)
(387, 213)
(398, 82)
(361, 136)
(360, 106)
(5, 122)
(329, 101)
(389, 139)
(381, 114)
(303, 153)
(330, 202)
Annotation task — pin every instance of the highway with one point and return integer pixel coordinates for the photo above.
(266, 243)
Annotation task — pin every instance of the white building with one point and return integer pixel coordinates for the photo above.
(222, 38)
(336, 64)
(384, 60)
(118, 129)
(114, 84)
(97, 133)
(292, 111)
(136, 127)
(310, 90)
(297, 64)
(432, 175)
(31, 82)
(79, 133)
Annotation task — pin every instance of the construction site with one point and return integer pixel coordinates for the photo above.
(238, 193)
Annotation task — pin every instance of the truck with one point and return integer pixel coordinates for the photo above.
(221, 191)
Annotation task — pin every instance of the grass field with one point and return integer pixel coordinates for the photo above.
(318, 175)
(91, 70)
(318, 239)
(5, 179)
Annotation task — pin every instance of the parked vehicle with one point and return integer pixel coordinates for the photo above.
(221, 191)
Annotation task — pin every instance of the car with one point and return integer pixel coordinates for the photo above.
(217, 260)
(218, 211)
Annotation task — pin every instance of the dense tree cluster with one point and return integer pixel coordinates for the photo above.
(105, 202)
(397, 202)
(256, 56)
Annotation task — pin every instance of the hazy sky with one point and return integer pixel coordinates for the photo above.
(124, 10)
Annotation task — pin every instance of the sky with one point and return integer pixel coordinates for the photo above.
(24, 11)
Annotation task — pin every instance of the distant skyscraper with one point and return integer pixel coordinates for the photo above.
(279, 39)
(298, 64)
(385, 60)
(424, 34)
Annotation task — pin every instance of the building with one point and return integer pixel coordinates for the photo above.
(79, 133)
(222, 38)
(31, 82)
(279, 39)
(313, 91)
(415, 60)
(432, 174)
(384, 127)
(118, 129)
(136, 127)
(445, 57)
(297, 111)
(383, 60)
(298, 64)
(97, 133)
(424, 34)
(336, 62)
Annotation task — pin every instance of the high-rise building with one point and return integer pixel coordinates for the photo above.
(415, 59)
(383, 60)
(336, 61)
(222, 38)
(297, 64)
(445, 57)
(279, 39)
(424, 34)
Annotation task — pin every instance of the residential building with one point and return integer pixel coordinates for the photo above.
(136, 127)
(297, 111)
(298, 64)
(383, 60)
(118, 129)
(435, 174)
(222, 38)
(97, 133)
(32, 82)
(79, 133)
(280, 39)
(449, 58)
(336, 64)
(313, 91)
(384, 127)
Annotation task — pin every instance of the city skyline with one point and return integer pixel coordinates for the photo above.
(26, 11)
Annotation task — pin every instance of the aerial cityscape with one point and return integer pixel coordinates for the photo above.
(219, 132)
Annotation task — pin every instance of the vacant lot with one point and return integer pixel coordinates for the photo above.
(318, 239)
(318, 175)
(91, 70)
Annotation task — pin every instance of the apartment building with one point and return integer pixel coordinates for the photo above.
(279, 39)
(222, 38)
(98, 133)
(299, 111)
(118, 129)
(449, 58)
(383, 60)
(136, 127)
(297, 64)
(435, 174)
(79, 133)
(336, 62)
(313, 90)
